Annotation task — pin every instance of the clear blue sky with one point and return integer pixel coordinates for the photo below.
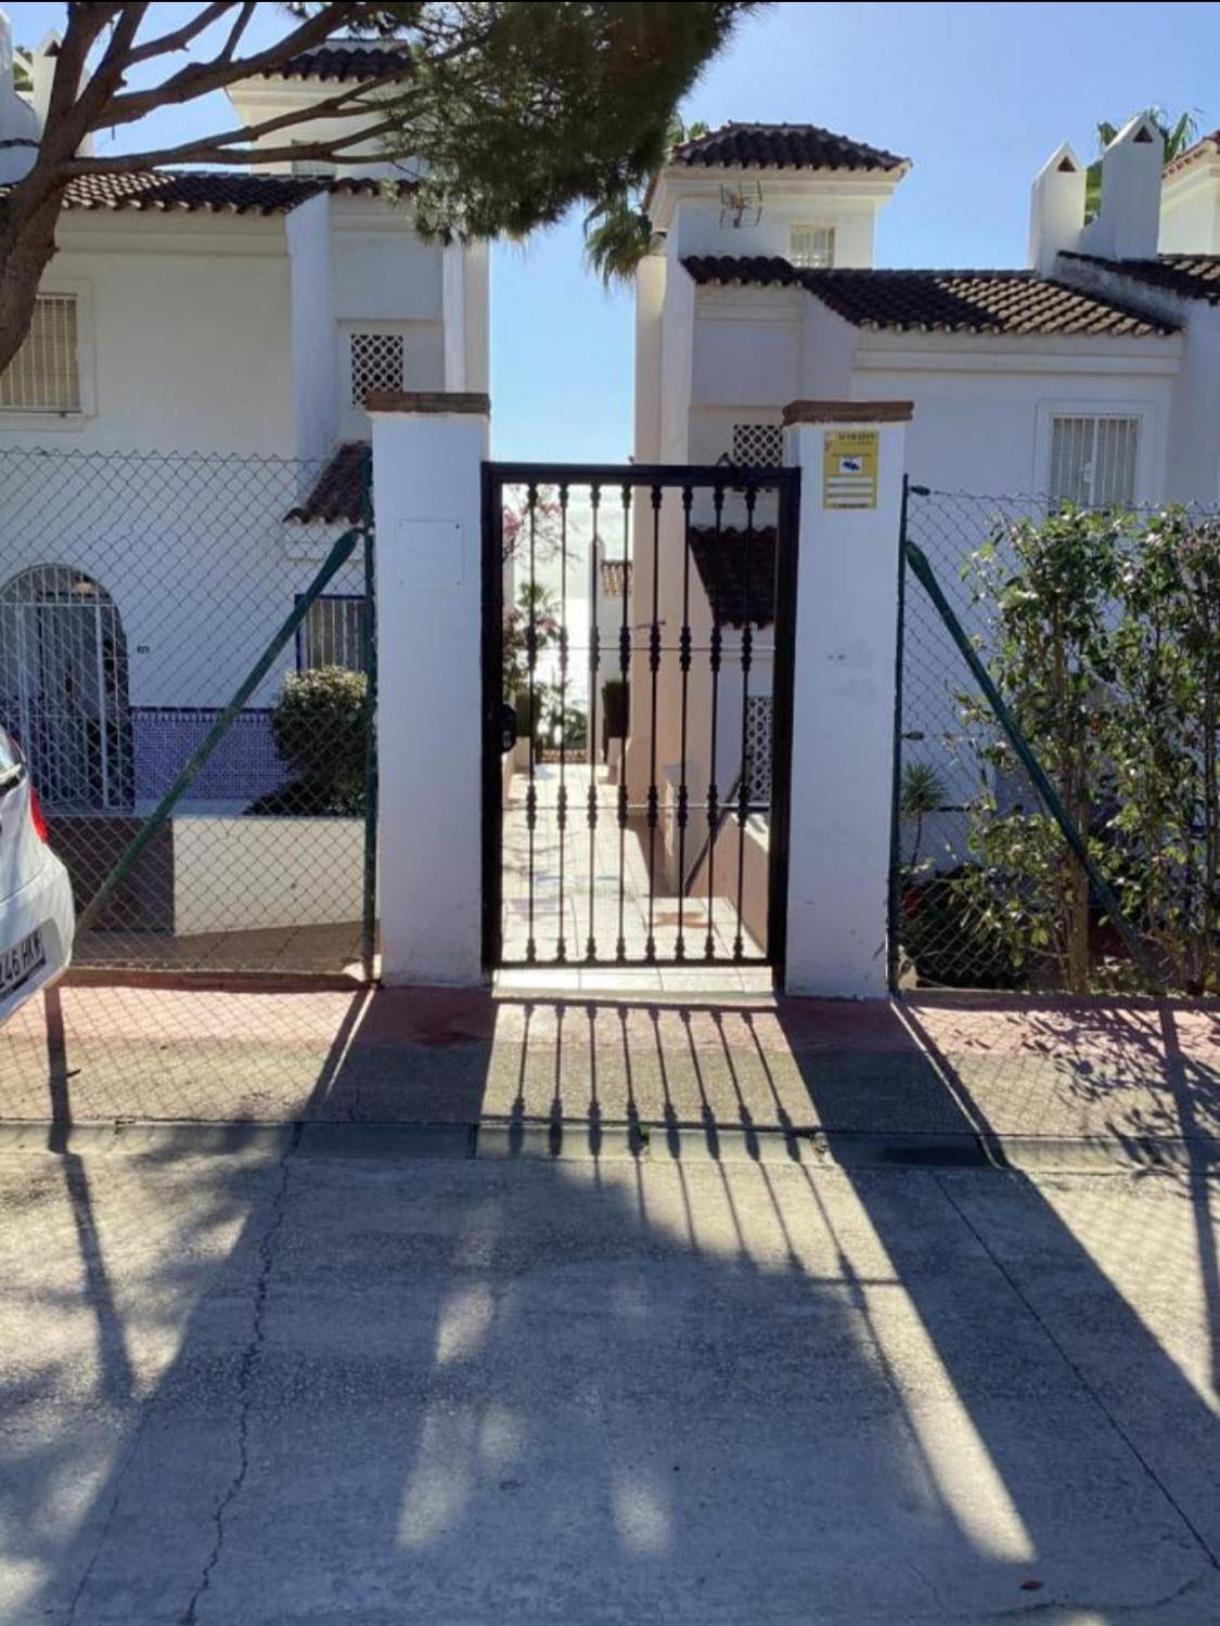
(976, 95)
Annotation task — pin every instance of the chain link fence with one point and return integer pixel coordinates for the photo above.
(194, 703)
(1057, 821)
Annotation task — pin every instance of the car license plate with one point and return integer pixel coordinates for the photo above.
(19, 963)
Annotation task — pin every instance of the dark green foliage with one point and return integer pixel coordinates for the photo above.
(319, 726)
(519, 110)
(949, 940)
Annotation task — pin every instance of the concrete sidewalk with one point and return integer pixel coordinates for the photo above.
(1139, 1080)
(296, 1390)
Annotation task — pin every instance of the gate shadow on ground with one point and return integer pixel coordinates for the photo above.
(719, 1384)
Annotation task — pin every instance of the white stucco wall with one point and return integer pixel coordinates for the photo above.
(186, 343)
(1190, 210)
(1192, 459)
(315, 352)
(983, 407)
(254, 874)
(689, 206)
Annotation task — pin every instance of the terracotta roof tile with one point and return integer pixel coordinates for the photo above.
(782, 146)
(941, 301)
(1192, 276)
(1206, 147)
(338, 492)
(207, 191)
(343, 62)
(720, 558)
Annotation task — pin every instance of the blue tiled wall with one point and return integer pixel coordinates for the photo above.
(243, 766)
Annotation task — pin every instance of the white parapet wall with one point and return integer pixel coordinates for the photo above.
(255, 874)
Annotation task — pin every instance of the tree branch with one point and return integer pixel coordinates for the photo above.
(179, 38)
(236, 32)
(201, 78)
(219, 150)
(348, 101)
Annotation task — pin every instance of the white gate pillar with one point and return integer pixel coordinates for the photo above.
(427, 453)
(852, 457)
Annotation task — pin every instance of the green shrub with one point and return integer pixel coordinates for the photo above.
(319, 726)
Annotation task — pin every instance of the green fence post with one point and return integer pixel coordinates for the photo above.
(894, 898)
(1103, 891)
(335, 560)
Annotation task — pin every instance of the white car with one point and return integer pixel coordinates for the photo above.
(37, 918)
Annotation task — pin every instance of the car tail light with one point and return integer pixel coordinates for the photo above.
(36, 817)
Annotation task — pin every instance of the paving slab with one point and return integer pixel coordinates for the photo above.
(261, 1389)
(1137, 1079)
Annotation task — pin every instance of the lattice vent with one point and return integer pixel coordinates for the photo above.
(758, 445)
(758, 748)
(377, 364)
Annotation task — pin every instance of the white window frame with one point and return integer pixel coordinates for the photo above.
(826, 226)
(51, 418)
(306, 631)
(1149, 456)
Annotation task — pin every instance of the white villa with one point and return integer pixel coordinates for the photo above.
(1093, 375)
(192, 317)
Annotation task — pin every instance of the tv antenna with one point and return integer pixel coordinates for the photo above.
(741, 208)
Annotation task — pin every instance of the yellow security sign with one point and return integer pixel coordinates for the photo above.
(849, 468)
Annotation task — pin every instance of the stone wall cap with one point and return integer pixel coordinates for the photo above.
(848, 412)
(429, 401)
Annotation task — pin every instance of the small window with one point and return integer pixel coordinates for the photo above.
(332, 634)
(44, 375)
(758, 445)
(812, 247)
(376, 364)
(1093, 461)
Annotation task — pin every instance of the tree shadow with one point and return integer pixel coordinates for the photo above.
(716, 1382)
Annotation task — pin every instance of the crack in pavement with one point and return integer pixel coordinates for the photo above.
(245, 1382)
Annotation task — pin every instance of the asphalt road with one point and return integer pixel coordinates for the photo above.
(263, 1388)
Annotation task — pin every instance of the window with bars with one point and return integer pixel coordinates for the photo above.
(758, 445)
(812, 247)
(332, 634)
(44, 375)
(376, 364)
(1094, 460)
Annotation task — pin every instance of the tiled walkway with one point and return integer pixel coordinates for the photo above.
(597, 883)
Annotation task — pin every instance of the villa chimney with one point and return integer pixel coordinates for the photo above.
(1129, 222)
(1056, 216)
(42, 73)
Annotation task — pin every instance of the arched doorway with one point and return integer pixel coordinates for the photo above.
(63, 686)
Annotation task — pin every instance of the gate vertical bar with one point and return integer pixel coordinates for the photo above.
(654, 669)
(594, 663)
(783, 677)
(746, 774)
(561, 950)
(684, 642)
(624, 661)
(531, 656)
(713, 811)
(493, 700)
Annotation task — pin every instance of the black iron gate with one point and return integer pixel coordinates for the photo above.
(638, 642)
